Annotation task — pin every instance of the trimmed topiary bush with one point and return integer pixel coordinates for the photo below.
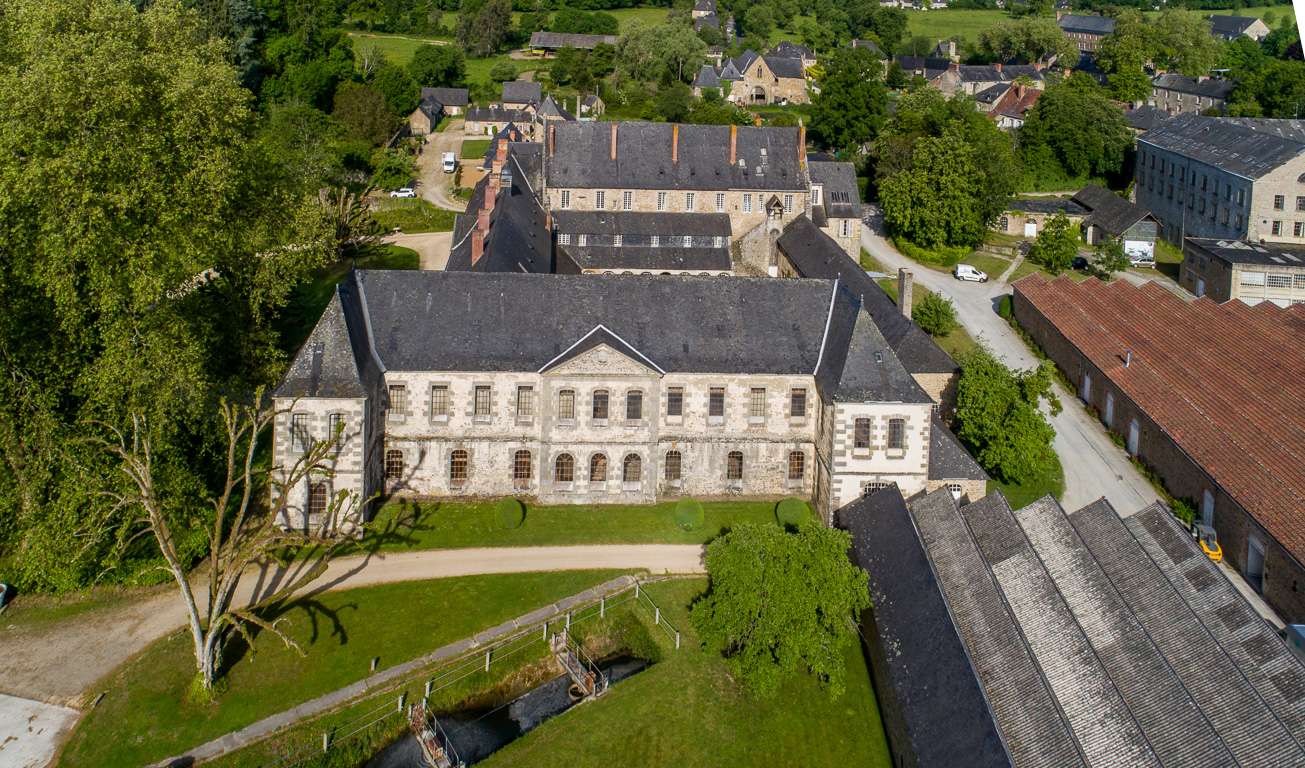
(792, 512)
(1004, 308)
(509, 513)
(689, 514)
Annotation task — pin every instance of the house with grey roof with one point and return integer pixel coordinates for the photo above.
(454, 100)
(636, 243)
(518, 94)
(1176, 93)
(709, 20)
(1232, 27)
(1223, 178)
(1086, 32)
(869, 45)
(546, 43)
(836, 202)
(1111, 216)
(1145, 117)
(786, 49)
(551, 110)
(974, 79)
(769, 80)
(487, 121)
(593, 106)
(706, 78)
(1041, 637)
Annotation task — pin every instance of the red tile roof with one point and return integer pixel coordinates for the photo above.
(1223, 381)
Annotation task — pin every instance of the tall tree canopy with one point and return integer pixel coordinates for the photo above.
(852, 102)
(438, 66)
(998, 411)
(1074, 129)
(1126, 51)
(1028, 37)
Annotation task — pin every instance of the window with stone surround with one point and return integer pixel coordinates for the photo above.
(633, 407)
(458, 468)
(598, 471)
(627, 201)
(797, 403)
(482, 403)
(564, 471)
(872, 486)
(600, 406)
(689, 198)
(1277, 228)
(716, 405)
(566, 199)
(336, 426)
(797, 465)
(521, 469)
(788, 204)
(675, 401)
(393, 464)
(661, 201)
(747, 203)
(299, 440)
(720, 202)
(734, 466)
(566, 406)
(439, 402)
(674, 466)
(861, 435)
(757, 406)
(398, 406)
(1279, 202)
(525, 403)
(600, 200)
(896, 434)
(631, 472)
(316, 506)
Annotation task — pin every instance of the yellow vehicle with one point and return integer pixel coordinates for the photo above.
(1205, 535)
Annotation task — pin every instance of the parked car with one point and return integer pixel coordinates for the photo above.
(966, 272)
(450, 162)
(405, 192)
(1141, 261)
(1078, 263)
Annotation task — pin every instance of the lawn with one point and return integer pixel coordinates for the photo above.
(297, 319)
(956, 343)
(687, 711)
(146, 715)
(1021, 496)
(994, 266)
(1027, 267)
(474, 149)
(445, 525)
(942, 24)
(413, 216)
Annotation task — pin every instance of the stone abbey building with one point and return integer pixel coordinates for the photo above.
(608, 389)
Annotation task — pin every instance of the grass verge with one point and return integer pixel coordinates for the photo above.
(146, 714)
(1167, 261)
(1027, 267)
(994, 266)
(413, 216)
(1021, 496)
(688, 711)
(956, 343)
(473, 149)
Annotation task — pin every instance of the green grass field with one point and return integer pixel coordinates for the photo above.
(1027, 267)
(687, 711)
(968, 24)
(412, 216)
(994, 266)
(1021, 496)
(146, 715)
(473, 149)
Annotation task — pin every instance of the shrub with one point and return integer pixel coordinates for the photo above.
(1004, 307)
(943, 255)
(689, 514)
(509, 514)
(503, 71)
(935, 315)
(792, 512)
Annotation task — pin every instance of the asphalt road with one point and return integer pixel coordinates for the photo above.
(1094, 466)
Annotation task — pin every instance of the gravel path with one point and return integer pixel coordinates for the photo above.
(63, 664)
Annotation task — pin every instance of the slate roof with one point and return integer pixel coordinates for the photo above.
(985, 73)
(567, 39)
(1048, 205)
(710, 20)
(788, 50)
(1174, 81)
(870, 372)
(640, 259)
(1199, 373)
(449, 97)
(767, 158)
(840, 199)
(519, 239)
(1088, 25)
(520, 92)
(784, 67)
(706, 77)
(932, 681)
(816, 255)
(922, 63)
(1231, 27)
(1282, 255)
(868, 44)
(730, 71)
(948, 459)
(707, 6)
(550, 108)
(990, 94)
(1248, 148)
(497, 115)
(591, 100)
(663, 224)
(1146, 117)
(1112, 213)
(326, 365)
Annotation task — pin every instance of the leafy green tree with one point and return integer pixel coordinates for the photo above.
(503, 71)
(673, 103)
(889, 25)
(852, 103)
(438, 66)
(781, 602)
(465, 31)
(818, 37)
(999, 416)
(1277, 42)
(1242, 57)
(935, 202)
(401, 92)
(1030, 38)
(1078, 131)
(720, 112)
(535, 20)
(301, 140)
(1056, 245)
(1182, 41)
(493, 24)
(1110, 257)
(935, 314)
(759, 22)
(392, 169)
(1125, 51)
(1276, 90)
(364, 114)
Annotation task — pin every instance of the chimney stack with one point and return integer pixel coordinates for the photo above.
(613, 141)
(998, 66)
(675, 143)
(550, 139)
(905, 282)
(477, 246)
(500, 157)
(734, 144)
(802, 144)
(953, 66)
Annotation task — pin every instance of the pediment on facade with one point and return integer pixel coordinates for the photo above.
(601, 352)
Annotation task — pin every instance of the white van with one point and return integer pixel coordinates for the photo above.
(450, 162)
(966, 272)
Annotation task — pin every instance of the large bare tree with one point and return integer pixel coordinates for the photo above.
(241, 524)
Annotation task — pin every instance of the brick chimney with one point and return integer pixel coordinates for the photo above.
(802, 144)
(500, 158)
(734, 144)
(477, 246)
(998, 66)
(1019, 90)
(550, 139)
(675, 143)
(954, 66)
(613, 141)
(905, 282)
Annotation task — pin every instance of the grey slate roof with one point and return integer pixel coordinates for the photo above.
(1090, 25)
(948, 459)
(785, 67)
(591, 100)
(1248, 148)
(449, 97)
(815, 254)
(871, 372)
(1109, 211)
(932, 685)
(326, 365)
(663, 224)
(985, 73)
(710, 20)
(789, 50)
(1232, 27)
(1174, 81)
(730, 71)
(567, 39)
(519, 239)
(706, 77)
(1284, 255)
(840, 199)
(990, 94)
(925, 63)
(520, 92)
(550, 108)
(1048, 205)
(497, 115)
(581, 157)
(868, 44)
(573, 258)
(1146, 117)
(708, 6)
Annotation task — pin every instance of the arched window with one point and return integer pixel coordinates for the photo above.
(631, 471)
(673, 466)
(896, 433)
(521, 465)
(598, 471)
(734, 469)
(1005, 224)
(393, 464)
(564, 469)
(797, 465)
(861, 434)
(317, 499)
(458, 468)
(1300, 179)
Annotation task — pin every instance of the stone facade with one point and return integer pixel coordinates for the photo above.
(353, 463)
(1240, 271)
(870, 464)
(761, 86)
(746, 209)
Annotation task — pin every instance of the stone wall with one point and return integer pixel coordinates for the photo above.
(348, 462)
(1177, 102)
(775, 89)
(942, 388)
(746, 209)
(854, 467)
(849, 242)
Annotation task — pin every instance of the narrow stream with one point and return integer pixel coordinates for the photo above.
(478, 734)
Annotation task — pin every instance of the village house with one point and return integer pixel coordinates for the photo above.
(518, 94)
(487, 121)
(547, 43)
(434, 105)
(638, 243)
(1086, 32)
(770, 80)
(592, 106)
(1110, 216)
(1177, 93)
(790, 50)
(973, 79)
(1230, 28)
(1008, 103)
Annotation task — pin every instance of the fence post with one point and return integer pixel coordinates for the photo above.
(602, 607)
(677, 639)
(326, 741)
(487, 653)
(657, 615)
(428, 689)
(402, 696)
(568, 619)
(636, 590)
(546, 631)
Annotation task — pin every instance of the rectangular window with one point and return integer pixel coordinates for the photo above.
(1279, 201)
(1300, 280)
(616, 240)
(398, 402)
(600, 199)
(720, 202)
(627, 201)
(747, 203)
(716, 404)
(634, 407)
(1224, 218)
(1278, 280)
(896, 433)
(845, 228)
(815, 196)
(718, 242)
(688, 201)
(1205, 180)
(1300, 203)
(675, 401)
(1227, 193)
(661, 201)
(299, 432)
(861, 434)
(566, 406)
(1277, 227)
(525, 403)
(600, 406)
(797, 404)
(566, 198)
(439, 402)
(1241, 197)
(1201, 207)
(1239, 221)
(757, 406)
(1298, 229)
(655, 241)
(1252, 278)
(336, 424)
(563, 239)
(582, 239)
(482, 403)
(788, 203)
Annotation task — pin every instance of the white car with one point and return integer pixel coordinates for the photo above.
(405, 192)
(966, 272)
